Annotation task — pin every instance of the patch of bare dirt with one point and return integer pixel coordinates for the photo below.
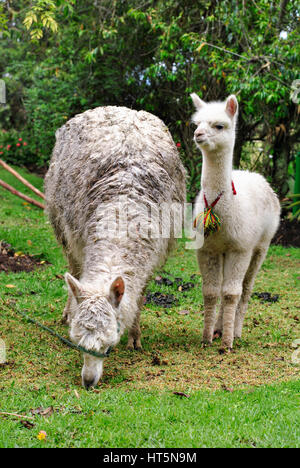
(11, 261)
(288, 233)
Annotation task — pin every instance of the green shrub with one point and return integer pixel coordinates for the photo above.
(15, 148)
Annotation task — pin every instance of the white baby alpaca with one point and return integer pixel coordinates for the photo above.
(229, 259)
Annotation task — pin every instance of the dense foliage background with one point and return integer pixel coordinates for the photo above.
(61, 57)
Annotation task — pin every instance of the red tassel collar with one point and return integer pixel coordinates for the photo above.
(210, 221)
(233, 188)
(218, 197)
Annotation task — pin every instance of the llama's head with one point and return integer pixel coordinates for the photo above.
(93, 322)
(216, 122)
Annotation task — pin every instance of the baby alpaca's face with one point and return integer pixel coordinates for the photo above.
(215, 123)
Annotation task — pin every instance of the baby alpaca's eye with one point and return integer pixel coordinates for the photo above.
(219, 127)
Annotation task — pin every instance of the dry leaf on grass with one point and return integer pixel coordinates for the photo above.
(185, 395)
(46, 412)
(27, 424)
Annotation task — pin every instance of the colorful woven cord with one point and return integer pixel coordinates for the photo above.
(209, 220)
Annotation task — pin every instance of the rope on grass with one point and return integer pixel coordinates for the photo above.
(64, 340)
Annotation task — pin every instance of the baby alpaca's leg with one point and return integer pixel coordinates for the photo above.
(219, 323)
(255, 264)
(211, 270)
(235, 267)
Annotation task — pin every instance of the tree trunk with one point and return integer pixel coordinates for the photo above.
(282, 11)
(281, 159)
(241, 136)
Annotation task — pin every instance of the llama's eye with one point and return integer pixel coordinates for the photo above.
(219, 127)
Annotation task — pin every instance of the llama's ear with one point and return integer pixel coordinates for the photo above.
(198, 103)
(74, 287)
(232, 106)
(117, 291)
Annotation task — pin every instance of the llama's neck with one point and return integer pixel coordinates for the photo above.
(105, 261)
(216, 171)
(99, 273)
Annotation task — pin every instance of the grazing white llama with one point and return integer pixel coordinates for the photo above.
(248, 211)
(100, 156)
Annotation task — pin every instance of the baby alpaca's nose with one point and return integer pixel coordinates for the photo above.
(199, 132)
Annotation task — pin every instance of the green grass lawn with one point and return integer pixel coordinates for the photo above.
(249, 398)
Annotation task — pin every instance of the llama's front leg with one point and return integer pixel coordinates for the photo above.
(211, 270)
(134, 334)
(235, 267)
(75, 270)
(255, 264)
(66, 311)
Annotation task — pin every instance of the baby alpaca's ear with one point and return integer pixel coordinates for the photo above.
(232, 106)
(117, 291)
(74, 287)
(198, 103)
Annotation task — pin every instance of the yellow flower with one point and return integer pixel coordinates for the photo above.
(42, 435)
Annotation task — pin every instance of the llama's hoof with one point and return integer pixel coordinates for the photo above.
(217, 334)
(64, 320)
(138, 345)
(134, 347)
(65, 315)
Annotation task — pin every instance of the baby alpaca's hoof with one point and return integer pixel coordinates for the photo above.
(237, 336)
(207, 341)
(206, 344)
(224, 350)
(227, 342)
(130, 346)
